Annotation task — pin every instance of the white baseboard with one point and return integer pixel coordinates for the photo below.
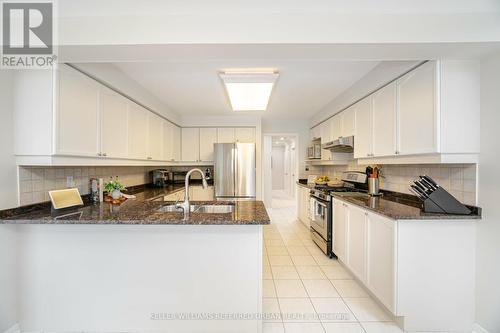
(14, 329)
(478, 329)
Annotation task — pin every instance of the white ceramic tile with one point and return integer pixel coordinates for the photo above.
(274, 242)
(365, 309)
(297, 310)
(304, 328)
(343, 328)
(37, 185)
(280, 261)
(266, 272)
(270, 310)
(24, 173)
(297, 250)
(268, 288)
(38, 197)
(320, 288)
(293, 241)
(314, 250)
(303, 260)
(285, 273)
(336, 272)
(265, 261)
(25, 186)
(290, 288)
(349, 288)
(26, 198)
(310, 272)
(277, 250)
(381, 327)
(273, 328)
(332, 310)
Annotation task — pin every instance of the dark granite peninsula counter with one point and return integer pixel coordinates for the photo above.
(398, 206)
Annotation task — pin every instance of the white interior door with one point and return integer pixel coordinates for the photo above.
(278, 168)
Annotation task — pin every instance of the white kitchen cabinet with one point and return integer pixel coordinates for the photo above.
(155, 137)
(303, 201)
(356, 241)
(384, 121)
(315, 133)
(168, 146)
(340, 229)
(190, 144)
(137, 132)
(363, 136)
(418, 118)
(208, 136)
(114, 123)
(381, 250)
(347, 120)
(326, 136)
(336, 126)
(244, 134)
(176, 140)
(77, 115)
(225, 135)
(198, 193)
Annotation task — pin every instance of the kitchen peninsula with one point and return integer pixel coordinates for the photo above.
(134, 267)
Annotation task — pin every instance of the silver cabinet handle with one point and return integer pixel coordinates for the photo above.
(99, 154)
(150, 158)
(104, 154)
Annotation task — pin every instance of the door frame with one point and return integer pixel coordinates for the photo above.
(267, 193)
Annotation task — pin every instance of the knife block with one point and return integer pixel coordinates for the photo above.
(442, 202)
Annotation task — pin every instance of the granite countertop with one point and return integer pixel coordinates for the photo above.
(399, 206)
(143, 210)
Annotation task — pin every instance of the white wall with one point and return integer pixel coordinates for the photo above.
(112, 76)
(488, 231)
(376, 78)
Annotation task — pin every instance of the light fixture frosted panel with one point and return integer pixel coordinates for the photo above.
(249, 91)
(249, 96)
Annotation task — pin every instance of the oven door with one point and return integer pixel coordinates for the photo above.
(319, 217)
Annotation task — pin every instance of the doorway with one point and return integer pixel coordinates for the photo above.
(280, 169)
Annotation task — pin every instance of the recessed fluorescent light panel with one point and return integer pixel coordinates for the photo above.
(249, 91)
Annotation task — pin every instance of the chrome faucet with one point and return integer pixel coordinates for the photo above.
(186, 205)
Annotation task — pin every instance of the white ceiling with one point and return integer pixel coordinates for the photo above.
(194, 88)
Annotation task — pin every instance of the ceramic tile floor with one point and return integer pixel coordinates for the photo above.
(304, 291)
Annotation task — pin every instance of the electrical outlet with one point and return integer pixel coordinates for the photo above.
(69, 182)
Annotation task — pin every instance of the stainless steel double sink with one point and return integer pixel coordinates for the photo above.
(206, 209)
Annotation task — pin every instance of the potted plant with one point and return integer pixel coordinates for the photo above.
(114, 188)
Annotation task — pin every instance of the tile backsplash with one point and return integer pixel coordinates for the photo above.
(458, 179)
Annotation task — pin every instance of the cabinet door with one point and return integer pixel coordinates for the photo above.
(190, 144)
(77, 114)
(381, 259)
(137, 132)
(225, 135)
(114, 123)
(176, 142)
(363, 137)
(417, 111)
(339, 230)
(336, 126)
(208, 136)
(325, 130)
(384, 121)
(315, 133)
(155, 137)
(244, 134)
(348, 122)
(356, 231)
(300, 203)
(168, 147)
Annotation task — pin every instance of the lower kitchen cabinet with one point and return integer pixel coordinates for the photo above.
(356, 241)
(303, 205)
(340, 229)
(382, 259)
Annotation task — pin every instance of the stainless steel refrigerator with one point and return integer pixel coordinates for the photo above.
(234, 170)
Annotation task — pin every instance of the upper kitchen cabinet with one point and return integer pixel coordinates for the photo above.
(225, 135)
(418, 116)
(384, 121)
(208, 137)
(422, 116)
(114, 124)
(155, 137)
(363, 135)
(336, 127)
(190, 144)
(326, 136)
(348, 122)
(137, 132)
(77, 124)
(171, 142)
(244, 134)
(315, 133)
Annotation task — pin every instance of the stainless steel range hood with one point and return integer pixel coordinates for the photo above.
(341, 145)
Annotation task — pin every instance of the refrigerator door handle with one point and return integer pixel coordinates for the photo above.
(235, 168)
